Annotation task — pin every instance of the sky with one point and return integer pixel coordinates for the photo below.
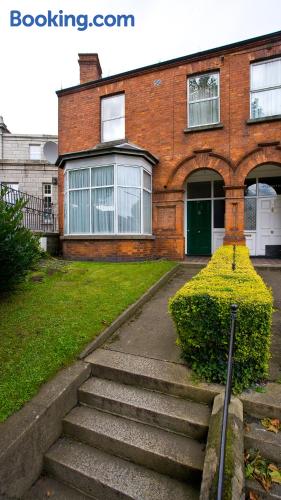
(35, 62)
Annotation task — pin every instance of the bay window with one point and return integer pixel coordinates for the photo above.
(203, 100)
(109, 199)
(265, 95)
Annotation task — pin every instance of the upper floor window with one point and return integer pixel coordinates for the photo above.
(203, 100)
(266, 88)
(35, 152)
(113, 118)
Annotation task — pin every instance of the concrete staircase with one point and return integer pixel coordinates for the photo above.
(139, 432)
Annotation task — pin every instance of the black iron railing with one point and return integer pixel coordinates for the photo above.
(228, 389)
(37, 216)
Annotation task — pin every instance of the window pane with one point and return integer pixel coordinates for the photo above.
(79, 211)
(251, 187)
(128, 210)
(269, 186)
(266, 75)
(250, 214)
(219, 189)
(103, 176)
(203, 113)
(198, 190)
(146, 180)
(113, 130)
(113, 107)
(129, 176)
(219, 209)
(203, 87)
(267, 103)
(147, 212)
(103, 210)
(35, 152)
(79, 178)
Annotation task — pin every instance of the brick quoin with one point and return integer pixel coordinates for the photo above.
(156, 119)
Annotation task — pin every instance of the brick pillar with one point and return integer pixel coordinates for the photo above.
(234, 215)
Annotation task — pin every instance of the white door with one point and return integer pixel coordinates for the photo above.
(268, 223)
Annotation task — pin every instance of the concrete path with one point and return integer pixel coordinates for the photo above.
(151, 332)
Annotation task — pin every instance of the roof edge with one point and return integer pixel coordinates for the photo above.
(92, 153)
(169, 63)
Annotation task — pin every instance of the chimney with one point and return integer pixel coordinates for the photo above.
(90, 68)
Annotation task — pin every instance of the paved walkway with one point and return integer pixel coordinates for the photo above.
(151, 332)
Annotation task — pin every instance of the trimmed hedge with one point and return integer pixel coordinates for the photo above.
(201, 311)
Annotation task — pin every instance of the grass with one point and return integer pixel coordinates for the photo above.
(50, 319)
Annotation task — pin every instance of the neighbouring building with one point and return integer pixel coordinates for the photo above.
(175, 158)
(24, 165)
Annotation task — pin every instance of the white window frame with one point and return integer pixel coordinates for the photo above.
(255, 91)
(115, 186)
(103, 99)
(47, 217)
(38, 148)
(216, 72)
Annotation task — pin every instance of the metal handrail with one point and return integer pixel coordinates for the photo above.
(36, 216)
(227, 397)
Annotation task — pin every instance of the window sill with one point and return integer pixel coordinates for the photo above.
(109, 237)
(263, 119)
(200, 128)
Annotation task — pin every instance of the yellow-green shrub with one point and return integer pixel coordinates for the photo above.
(201, 311)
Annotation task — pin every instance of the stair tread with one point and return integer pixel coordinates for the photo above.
(164, 372)
(273, 494)
(182, 409)
(123, 477)
(48, 487)
(180, 449)
(255, 430)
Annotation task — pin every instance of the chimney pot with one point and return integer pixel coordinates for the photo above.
(90, 68)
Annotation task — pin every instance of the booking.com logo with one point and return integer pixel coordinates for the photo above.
(81, 21)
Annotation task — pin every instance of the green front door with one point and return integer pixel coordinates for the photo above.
(199, 228)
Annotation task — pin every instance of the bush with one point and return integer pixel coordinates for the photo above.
(201, 311)
(19, 247)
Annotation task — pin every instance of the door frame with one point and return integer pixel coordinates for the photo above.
(214, 231)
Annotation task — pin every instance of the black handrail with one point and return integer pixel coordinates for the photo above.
(227, 397)
(36, 215)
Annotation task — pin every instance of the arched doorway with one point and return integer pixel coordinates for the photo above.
(263, 211)
(204, 212)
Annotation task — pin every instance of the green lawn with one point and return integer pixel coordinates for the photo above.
(46, 323)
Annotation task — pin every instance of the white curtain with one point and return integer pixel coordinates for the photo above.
(147, 212)
(79, 211)
(128, 176)
(266, 103)
(103, 210)
(203, 113)
(129, 215)
(266, 75)
(103, 176)
(79, 178)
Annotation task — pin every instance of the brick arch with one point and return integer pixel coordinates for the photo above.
(200, 162)
(256, 158)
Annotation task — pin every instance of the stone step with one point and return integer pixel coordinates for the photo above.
(107, 477)
(162, 376)
(170, 412)
(48, 487)
(273, 494)
(268, 443)
(165, 452)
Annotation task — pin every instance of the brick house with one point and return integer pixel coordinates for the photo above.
(175, 158)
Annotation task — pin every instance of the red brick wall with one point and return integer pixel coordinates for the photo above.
(156, 117)
(112, 250)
